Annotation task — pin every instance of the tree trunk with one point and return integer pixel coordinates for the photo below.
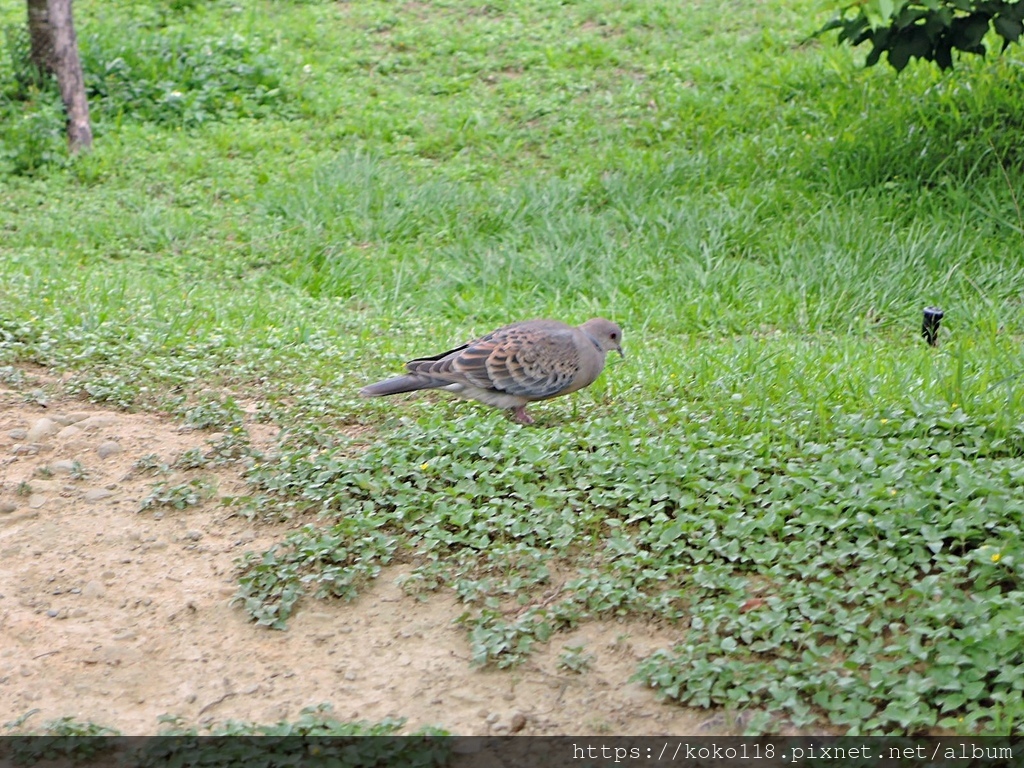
(41, 36)
(69, 74)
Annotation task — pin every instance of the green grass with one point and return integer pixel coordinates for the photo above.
(289, 199)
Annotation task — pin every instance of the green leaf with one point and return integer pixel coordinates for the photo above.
(1010, 29)
(966, 33)
(913, 42)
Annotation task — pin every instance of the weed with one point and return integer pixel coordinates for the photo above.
(574, 659)
(214, 413)
(151, 463)
(179, 496)
(193, 458)
(65, 739)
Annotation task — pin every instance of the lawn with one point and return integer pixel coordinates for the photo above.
(289, 199)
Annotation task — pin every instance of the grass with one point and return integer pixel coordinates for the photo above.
(287, 200)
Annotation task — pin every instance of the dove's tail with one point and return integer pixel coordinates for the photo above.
(407, 383)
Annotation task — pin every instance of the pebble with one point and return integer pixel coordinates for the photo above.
(36, 500)
(108, 448)
(18, 434)
(96, 494)
(194, 535)
(517, 723)
(7, 507)
(96, 422)
(62, 467)
(93, 589)
(41, 428)
(69, 433)
(74, 418)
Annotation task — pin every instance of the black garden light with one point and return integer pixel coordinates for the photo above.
(930, 326)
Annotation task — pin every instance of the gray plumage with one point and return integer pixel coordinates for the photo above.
(515, 365)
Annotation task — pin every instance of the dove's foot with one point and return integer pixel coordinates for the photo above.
(522, 416)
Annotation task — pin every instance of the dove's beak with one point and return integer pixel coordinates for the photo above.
(621, 353)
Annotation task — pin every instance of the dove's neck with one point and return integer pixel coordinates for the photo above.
(595, 342)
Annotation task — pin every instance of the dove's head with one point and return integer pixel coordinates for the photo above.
(606, 334)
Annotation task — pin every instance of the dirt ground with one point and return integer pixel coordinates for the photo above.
(116, 616)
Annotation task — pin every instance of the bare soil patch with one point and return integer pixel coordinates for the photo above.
(117, 616)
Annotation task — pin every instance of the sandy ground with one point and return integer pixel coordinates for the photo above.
(116, 616)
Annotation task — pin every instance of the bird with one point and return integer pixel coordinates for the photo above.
(517, 364)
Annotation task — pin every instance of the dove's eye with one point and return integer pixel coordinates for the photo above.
(614, 335)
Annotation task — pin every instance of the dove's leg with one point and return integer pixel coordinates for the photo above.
(522, 416)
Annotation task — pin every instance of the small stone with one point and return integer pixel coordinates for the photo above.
(108, 448)
(40, 429)
(194, 535)
(36, 501)
(62, 467)
(7, 507)
(99, 421)
(97, 494)
(52, 613)
(93, 589)
(493, 718)
(517, 723)
(74, 418)
(69, 433)
(18, 434)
